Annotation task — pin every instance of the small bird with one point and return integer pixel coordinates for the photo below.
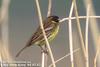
(51, 28)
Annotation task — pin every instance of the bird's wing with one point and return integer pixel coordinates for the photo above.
(38, 35)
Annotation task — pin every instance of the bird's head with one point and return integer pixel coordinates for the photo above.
(54, 18)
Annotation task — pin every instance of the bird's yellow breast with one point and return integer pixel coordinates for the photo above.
(50, 38)
(54, 33)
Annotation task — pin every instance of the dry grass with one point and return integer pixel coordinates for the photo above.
(90, 22)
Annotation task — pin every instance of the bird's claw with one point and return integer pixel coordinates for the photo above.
(45, 51)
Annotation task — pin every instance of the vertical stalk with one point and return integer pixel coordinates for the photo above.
(41, 24)
(5, 54)
(49, 8)
(70, 35)
(79, 28)
(86, 36)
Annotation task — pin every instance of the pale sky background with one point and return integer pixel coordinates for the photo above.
(23, 21)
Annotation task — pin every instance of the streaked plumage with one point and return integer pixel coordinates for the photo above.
(51, 27)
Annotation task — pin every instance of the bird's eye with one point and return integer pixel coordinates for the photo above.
(54, 22)
(56, 19)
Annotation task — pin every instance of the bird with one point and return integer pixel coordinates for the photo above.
(51, 28)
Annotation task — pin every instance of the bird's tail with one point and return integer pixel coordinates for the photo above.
(21, 51)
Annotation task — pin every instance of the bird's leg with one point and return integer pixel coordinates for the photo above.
(44, 49)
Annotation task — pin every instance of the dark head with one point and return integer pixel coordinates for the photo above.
(54, 18)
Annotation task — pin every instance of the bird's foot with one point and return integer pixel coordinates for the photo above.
(45, 51)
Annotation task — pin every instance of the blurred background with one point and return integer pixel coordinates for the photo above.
(23, 21)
